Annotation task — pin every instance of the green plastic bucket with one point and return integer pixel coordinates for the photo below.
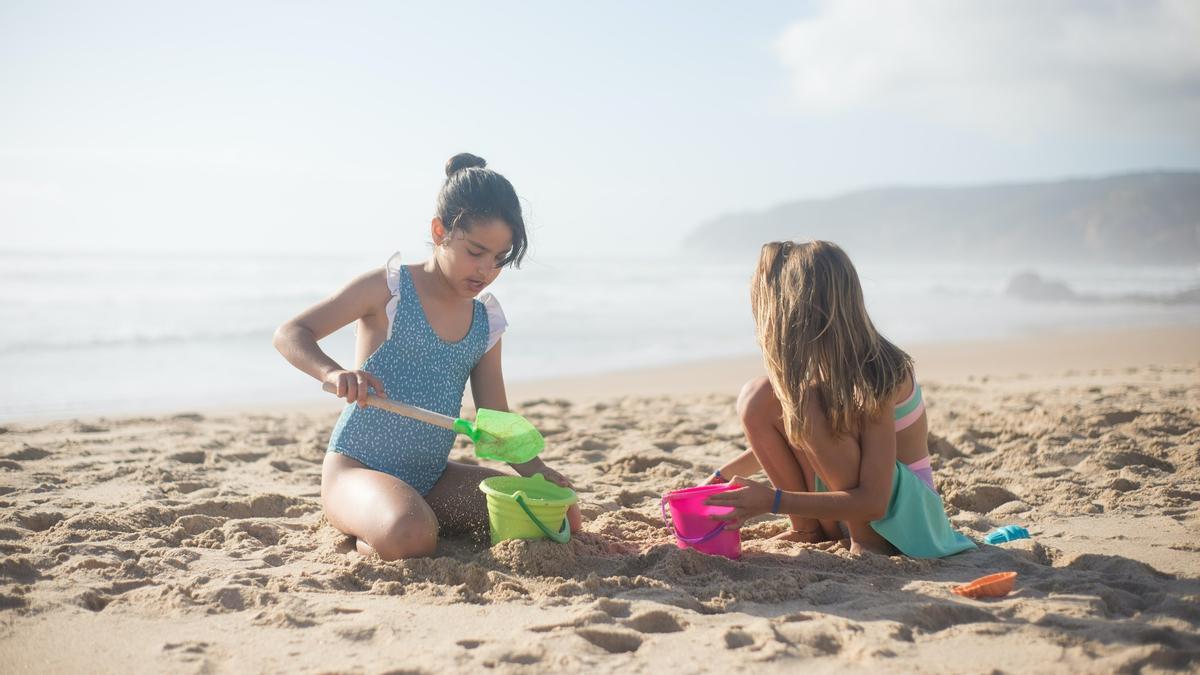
(527, 508)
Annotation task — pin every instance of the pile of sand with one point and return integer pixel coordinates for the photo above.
(213, 522)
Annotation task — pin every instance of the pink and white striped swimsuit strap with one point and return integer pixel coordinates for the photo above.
(910, 411)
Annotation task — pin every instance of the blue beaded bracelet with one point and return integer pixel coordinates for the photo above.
(717, 473)
(778, 499)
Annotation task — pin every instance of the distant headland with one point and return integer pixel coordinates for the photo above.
(1137, 218)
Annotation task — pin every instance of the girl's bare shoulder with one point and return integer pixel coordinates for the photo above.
(369, 290)
(903, 390)
(372, 281)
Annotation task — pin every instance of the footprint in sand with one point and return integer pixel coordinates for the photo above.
(656, 621)
(820, 638)
(93, 600)
(618, 609)
(736, 638)
(611, 640)
(28, 453)
(189, 457)
(38, 521)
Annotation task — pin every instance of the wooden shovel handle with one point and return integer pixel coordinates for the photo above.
(436, 419)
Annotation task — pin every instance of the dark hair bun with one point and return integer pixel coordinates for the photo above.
(463, 160)
(473, 193)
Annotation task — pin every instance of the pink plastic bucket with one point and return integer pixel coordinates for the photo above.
(694, 528)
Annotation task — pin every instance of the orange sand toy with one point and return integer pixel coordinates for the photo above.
(991, 586)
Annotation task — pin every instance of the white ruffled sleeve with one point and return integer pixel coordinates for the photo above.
(496, 321)
(393, 281)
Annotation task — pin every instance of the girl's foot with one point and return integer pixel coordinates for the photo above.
(802, 536)
(859, 548)
(363, 548)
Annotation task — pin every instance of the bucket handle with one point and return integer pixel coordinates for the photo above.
(562, 536)
(691, 541)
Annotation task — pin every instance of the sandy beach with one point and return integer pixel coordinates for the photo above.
(194, 542)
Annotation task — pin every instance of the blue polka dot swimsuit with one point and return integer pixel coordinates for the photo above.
(419, 368)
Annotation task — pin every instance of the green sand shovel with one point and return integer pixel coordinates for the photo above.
(502, 436)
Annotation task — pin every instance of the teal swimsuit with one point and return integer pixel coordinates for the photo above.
(419, 368)
(916, 522)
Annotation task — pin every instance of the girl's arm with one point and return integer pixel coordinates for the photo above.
(364, 298)
(866, 501)
(745, 464)
(487, 388)
(487, 381)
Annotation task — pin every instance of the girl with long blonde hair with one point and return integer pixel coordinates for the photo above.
(838, 424)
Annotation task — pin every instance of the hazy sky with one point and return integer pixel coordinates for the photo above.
(324, 126)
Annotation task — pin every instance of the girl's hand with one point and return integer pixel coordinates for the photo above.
(535, 466)
(354, 385)
(556, 478)
(753, 499)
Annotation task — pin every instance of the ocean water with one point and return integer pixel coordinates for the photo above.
(102, 333)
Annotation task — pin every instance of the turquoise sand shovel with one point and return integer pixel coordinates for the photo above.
(502, 436)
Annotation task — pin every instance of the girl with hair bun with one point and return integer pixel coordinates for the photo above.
(424, 329)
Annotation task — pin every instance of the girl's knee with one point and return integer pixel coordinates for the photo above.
(575, 518)
(405, 537)
(757, 403)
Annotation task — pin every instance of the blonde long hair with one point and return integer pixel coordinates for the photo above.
(816, 337)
